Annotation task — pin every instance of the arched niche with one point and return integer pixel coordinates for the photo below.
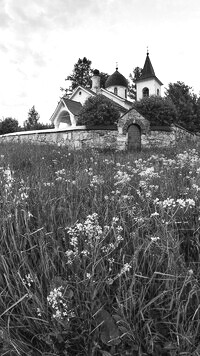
(63, 120)
(145, 92)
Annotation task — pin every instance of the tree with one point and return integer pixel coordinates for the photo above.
(32, 122)
(9, 125)
(137, 71)
(158, 110)
(186, 103)
(103, 78)
(98, 110)
(82, 74)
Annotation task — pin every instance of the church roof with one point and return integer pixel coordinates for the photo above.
(148, 71)
(116, 79)
(73, 106)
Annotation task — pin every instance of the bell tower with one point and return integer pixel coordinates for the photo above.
(148, 84)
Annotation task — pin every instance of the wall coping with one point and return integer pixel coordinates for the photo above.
(74, 128)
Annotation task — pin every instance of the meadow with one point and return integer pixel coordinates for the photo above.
(99, 252)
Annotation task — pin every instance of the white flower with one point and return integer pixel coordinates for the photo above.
(154, 239)
(154, 214)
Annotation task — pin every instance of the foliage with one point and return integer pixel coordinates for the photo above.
(32, 120)
(137, 71)
(187, 105)
(8, 125)
(82, 74)
(158, 110)
(98, 110)
(40, 126)
(103, 78)
(99, 253)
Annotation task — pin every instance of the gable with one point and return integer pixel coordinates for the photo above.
(81, 94)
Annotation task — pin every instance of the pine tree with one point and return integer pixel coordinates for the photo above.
(32, 121)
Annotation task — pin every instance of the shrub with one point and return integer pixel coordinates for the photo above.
(98, 110)
(158, 110)
(9, 125)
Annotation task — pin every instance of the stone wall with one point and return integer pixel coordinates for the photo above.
(76, 138)
(111, 137)
(168, 136)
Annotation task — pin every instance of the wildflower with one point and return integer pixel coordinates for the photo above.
(154, 239)
(190, 272)
(58, 304)
(39, 313)
(190, 202)
(109, 281)
(28, 280)
(125, 268)
(154, 214)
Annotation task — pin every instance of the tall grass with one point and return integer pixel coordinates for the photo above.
(99, 252)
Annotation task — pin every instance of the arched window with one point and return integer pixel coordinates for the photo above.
(125, 93)
(145, 92)
(158, 92)
(115, 91)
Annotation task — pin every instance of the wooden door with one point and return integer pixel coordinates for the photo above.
(134, 138)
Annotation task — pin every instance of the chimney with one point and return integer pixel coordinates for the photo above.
(96, 81)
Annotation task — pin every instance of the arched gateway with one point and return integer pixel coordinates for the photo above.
(133, 125)
(134, 138)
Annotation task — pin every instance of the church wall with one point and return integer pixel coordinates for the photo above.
(80, 138)
(120, 90)
(151, 84)
(81, 96)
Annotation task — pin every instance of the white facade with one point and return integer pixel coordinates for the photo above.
(62, 117)
(118, 90)
(151, 84)
(80, 95)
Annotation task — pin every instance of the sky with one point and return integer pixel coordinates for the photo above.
(41, 40)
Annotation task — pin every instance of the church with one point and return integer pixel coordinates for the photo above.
(116, 89)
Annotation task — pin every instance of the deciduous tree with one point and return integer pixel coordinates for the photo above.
(159, 111)
(98, 110)
(137, 71)
(186, 103)
(8, 125)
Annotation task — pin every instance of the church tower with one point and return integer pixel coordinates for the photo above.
(148, 84)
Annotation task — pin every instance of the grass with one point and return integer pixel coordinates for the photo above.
(99, 252)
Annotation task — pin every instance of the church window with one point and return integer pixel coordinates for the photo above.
(125, 93)
(80, 93)
(145, 92)
(115, 91)
(158, 92)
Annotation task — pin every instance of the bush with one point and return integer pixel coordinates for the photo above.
(158, 110)
(8, 125)
(98, 110)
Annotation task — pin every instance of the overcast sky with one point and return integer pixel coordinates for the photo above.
(41, 40)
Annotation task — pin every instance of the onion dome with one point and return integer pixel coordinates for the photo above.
(95, 72)
(116, 79)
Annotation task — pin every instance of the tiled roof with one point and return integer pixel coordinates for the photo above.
(148, 71)
(116, 79)
(73, 106)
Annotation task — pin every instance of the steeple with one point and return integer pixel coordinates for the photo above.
(147, 71)
(148, 84)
